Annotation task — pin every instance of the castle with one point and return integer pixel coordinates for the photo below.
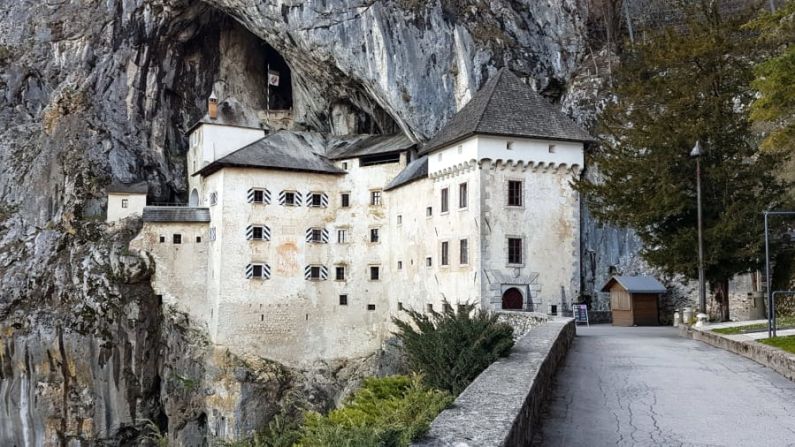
(299, 247)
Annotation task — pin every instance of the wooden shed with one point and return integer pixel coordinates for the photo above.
(634, 300)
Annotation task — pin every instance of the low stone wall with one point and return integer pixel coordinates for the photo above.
(502, 406)
(775, 359)
(521, 322)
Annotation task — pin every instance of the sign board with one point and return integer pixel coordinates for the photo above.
(580, 313)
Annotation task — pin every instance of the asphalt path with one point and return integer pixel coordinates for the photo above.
(647, 386)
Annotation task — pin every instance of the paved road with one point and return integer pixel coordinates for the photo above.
(650, 387)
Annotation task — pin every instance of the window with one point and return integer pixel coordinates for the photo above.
(343, 300)
(162, 239)
(345, 165)
(371, 307)
(552, 148)
(514, 250)
(258, 271)
(213, 198)
(429, 308)
(460, 149)
(342, 235)
(345, 199)
(289, 198)
(461, 308)
(375, 273)
(316, 235)
(445, 204)
(317, 200)
(374, 235)
(462, 195)
(429, 211)
(375, 198)
(509, 145)
(400, 305)
(400, 219)
(447, 307)
(428, 261)
(445, 252)
(314, 272)
(339, 273)
(125, 203)
(463, 252)
(212, 233)
(515, 193)
(177, 238)
(258, 233)
(198, 239)
(257, 195)
(400, 265)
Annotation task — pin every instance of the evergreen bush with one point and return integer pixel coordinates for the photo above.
(451, 348)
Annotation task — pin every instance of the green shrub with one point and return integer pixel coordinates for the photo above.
(385, 412)
(451, 348)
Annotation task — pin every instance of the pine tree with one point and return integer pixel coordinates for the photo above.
(682, 85)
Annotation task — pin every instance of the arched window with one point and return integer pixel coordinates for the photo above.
(194, 198)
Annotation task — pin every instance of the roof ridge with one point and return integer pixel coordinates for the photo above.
(490, 96)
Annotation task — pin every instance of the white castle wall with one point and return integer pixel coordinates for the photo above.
(135, 205)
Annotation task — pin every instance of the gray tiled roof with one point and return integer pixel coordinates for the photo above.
(368, 145)
(128, 188)
(636, 284)
(417, 169)
(176, 214)
(281, 150)
(506, 106)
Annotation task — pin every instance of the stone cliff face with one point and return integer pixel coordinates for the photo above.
(92, 91)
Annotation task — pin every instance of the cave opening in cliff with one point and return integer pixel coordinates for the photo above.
(279, 88)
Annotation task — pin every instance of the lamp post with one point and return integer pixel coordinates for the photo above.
(702, 291)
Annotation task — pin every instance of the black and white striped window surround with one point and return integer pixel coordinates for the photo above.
(317, 235)
(317, 200)
(290, 198)
(258, 233)
(259, 195)
(316, 272)
(258, 271)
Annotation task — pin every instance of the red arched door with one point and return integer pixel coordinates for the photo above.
(512, 299)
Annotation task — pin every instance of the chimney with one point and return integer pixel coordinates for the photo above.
(212, 106)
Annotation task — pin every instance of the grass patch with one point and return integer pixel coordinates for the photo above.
(780, 322)
(784, 343)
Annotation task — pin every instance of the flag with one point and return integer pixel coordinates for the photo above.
(273, 78)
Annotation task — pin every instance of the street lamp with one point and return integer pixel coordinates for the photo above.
(702, 291)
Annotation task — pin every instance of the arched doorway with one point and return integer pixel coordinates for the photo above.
(194, 198)
(512, 299)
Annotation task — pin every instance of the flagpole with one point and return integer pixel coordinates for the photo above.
(268, 91)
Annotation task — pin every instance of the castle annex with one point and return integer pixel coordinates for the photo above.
(300, 247)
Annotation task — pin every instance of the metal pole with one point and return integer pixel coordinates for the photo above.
(767, 282)
(702, 291)
(772, 6)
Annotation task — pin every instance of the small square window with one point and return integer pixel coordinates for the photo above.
(256, 232)
(125, 203)
(462, 308)
(400, 219)
(314, 272)
(339, 273)
(460, 149)
(342, 236)
(447, 307)
(375, 273)
(177, 238)
(375, 198)
(343, 300)
(400, 305)
(429, 211)
(345, 198)
(345, 165)
(259, 196)
(374, 235)
(316, 199)
(256, 270)
(429, 307)
(509, 145)
(371, 307)
(428, 262)
(289, 198)
(198, 239)
(400, 265)
(213, 198)
(552, 148)
(316, 235)
(162, 239)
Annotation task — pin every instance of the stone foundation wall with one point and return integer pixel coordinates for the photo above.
(502, 406)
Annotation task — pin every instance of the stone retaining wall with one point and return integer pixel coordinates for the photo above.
(502, 406)
(775, 359)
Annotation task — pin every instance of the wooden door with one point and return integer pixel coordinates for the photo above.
(644, 308)
(512, 299)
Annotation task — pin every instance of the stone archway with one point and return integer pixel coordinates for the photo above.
(194, 198)
(512, 299)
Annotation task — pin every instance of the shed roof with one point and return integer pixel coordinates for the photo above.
(369, 145)
(281, 150)
(636, 284)
(417, 169)
(506, 106)
(176, 214)
(128, 188)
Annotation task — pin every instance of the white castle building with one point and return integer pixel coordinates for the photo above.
(300, 247)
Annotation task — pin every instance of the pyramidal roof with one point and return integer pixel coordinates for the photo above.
(506, 106)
